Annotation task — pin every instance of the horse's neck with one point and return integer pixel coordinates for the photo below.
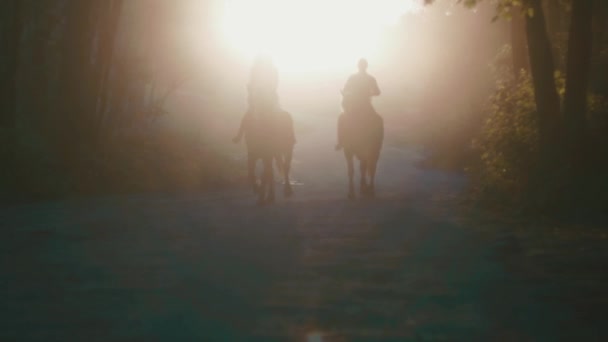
(356, 112)
(263, 116)
(271, 112)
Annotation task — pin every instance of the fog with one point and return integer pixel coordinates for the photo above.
(430, 63)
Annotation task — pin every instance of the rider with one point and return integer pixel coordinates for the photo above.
(362, 86)
(261, 90)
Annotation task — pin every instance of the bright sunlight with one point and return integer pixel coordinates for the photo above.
(311, 35)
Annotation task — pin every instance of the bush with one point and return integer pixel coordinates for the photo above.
(133, 162)
(508, 142)
(507, 146)
(158, 161)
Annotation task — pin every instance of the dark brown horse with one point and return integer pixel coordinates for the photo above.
(269, 138)
(362, 130)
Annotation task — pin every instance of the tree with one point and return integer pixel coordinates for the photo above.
(519, 44)
(577, 79)
(76, 80)
(106, 36)
(11, 36)
(545, 90)
(542, 68)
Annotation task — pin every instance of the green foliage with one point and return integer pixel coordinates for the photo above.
(508, 142)
(504, 8)
(507, 145)
(159, 161)
(597, 119)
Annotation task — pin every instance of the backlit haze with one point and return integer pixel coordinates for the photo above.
(427, 59)
(313, 35)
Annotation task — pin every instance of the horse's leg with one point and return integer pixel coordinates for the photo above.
(374, 155)
(351, 173)
(372, 175)
(269, 174)
(288, 191)
(251, 160)
(263, 182)
(363, 174)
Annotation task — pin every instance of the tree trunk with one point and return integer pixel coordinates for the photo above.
(551, 10)
(600, 20)
(545, 92)
(76, 114)
(8, 87)
(553, 22)
(11, 46)
(519, 44)
(577, 79)
(109, 29)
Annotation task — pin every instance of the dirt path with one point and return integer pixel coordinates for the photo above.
(217, 268)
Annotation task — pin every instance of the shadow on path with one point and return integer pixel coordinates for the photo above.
(217, 268)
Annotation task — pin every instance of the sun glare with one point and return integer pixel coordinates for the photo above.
(311, 35)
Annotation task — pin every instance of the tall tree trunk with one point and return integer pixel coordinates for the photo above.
(519, 44)
(545, 92)
(109, 29)
(577, 79)
(553, 17)
(553, 21)
(8, 84)
(8, 87)
(600, 20)
(76, 81)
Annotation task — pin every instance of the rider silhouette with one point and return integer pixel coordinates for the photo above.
(261, 91)
(361, 86)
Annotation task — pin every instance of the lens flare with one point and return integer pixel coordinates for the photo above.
(310, 35)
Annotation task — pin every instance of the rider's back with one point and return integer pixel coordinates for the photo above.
(362, 85)
(359, 89)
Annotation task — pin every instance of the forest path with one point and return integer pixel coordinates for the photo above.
(218, 268)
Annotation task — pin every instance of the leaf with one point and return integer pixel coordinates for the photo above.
(470, 3)
(530, 12)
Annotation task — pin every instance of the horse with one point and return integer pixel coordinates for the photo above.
(363, 136)
(269, 138)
